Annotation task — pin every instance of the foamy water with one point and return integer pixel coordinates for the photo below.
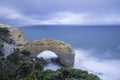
(47, 55)
(103, 42)
(106, 69)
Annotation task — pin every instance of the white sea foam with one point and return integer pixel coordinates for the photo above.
(105, 69)
(47, 55)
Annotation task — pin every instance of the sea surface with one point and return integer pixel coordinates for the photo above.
(97, 48)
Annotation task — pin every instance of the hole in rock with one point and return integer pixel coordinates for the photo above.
(51, 60)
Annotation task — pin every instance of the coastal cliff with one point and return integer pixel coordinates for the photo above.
(62, 50)
(7, 43)
(14, 63)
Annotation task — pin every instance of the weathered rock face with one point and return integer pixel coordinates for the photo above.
(63, 50)
(7, 44)
(6, 49)
(16, 33)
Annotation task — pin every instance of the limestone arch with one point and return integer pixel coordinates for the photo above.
(62, 50)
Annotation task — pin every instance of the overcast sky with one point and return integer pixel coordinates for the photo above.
(83, 12)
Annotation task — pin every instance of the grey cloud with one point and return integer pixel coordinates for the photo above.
(46, 10)
(49, 6)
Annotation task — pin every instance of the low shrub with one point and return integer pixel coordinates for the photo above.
(63, 74)
(25, 52)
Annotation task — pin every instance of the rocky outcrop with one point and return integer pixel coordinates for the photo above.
(6, 49)
(61, 49)
(16, 33)
(7, 43)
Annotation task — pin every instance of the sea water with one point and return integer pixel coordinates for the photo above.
(97, 48)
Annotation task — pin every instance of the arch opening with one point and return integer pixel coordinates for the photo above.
(47, 55)
(62, 50)
(51, 60)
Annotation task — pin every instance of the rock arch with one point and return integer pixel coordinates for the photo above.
(62, 50)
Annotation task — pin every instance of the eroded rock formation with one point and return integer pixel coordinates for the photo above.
(61, 49)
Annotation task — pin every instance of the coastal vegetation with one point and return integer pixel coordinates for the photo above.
(5, 35)
(62, 74)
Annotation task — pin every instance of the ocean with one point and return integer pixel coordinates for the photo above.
(97, 47)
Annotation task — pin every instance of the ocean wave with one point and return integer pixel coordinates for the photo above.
(106, 69)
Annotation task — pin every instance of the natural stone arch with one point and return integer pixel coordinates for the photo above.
(62, 50)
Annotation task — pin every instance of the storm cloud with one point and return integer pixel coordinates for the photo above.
(27, 12)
